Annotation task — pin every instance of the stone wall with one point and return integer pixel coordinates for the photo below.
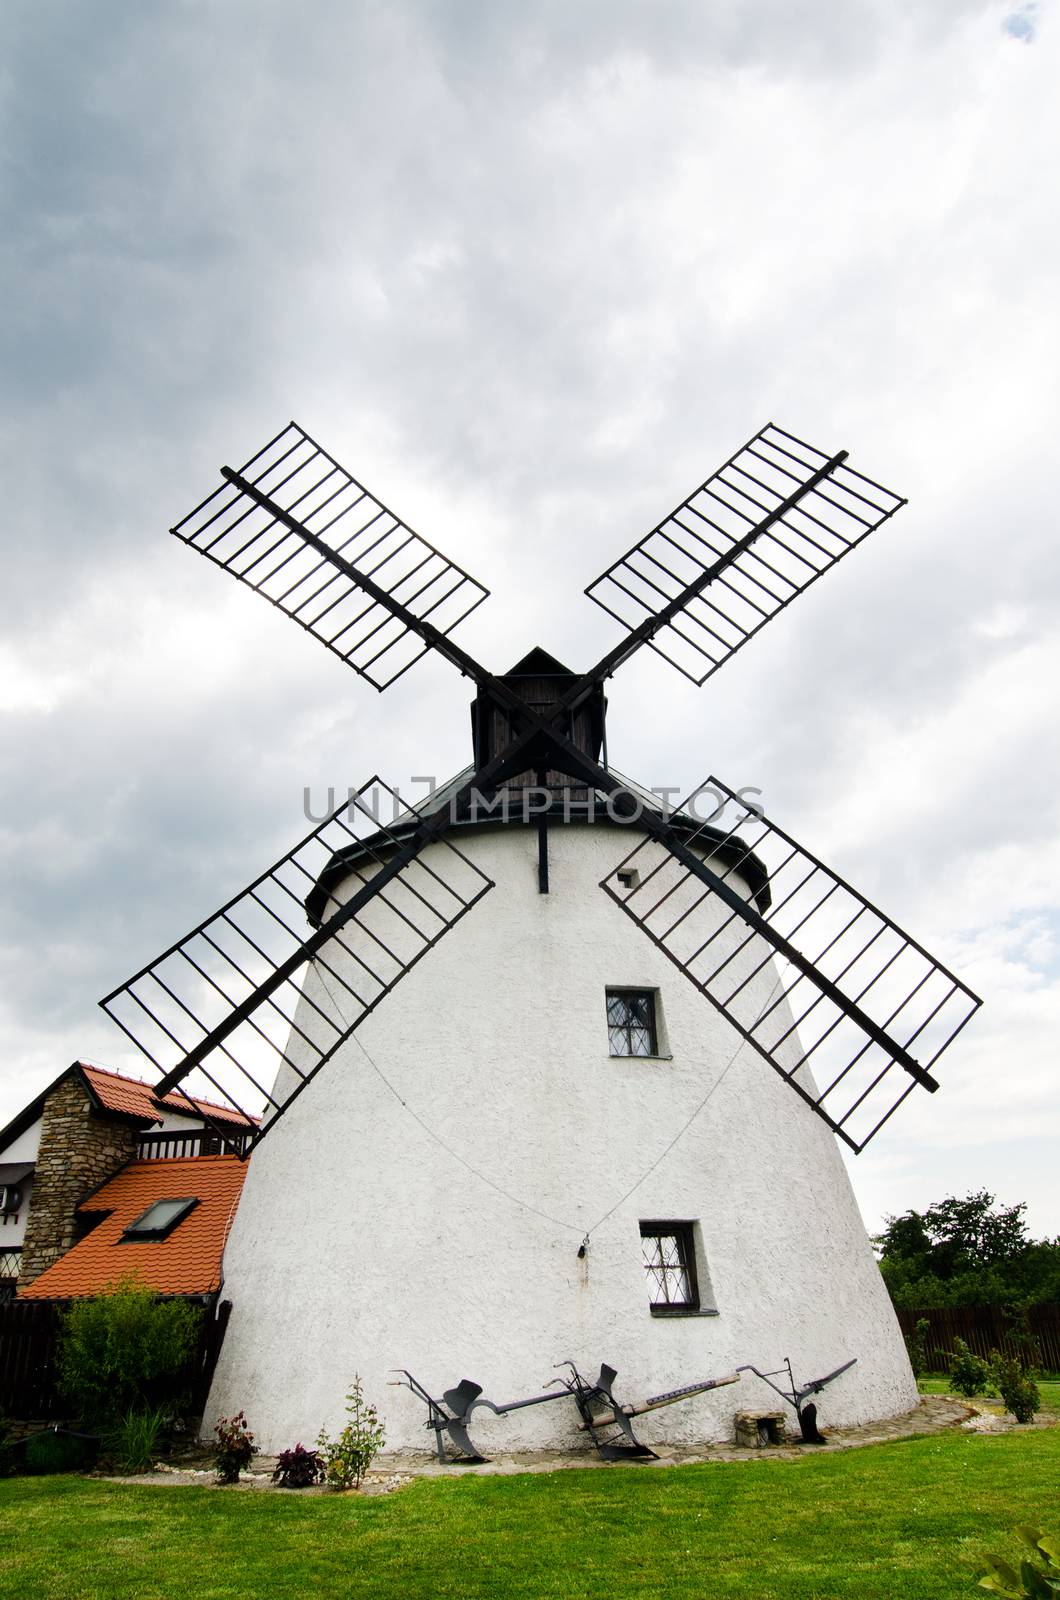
(78, 1150)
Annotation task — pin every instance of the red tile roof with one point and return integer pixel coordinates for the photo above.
(187, 1261)
(132, 1098)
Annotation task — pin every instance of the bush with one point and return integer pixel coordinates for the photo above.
(999, 1577)
(916, 1346)
(1015, 1385)
(234, 1448)
(348, 1458)
(8, 1459)
(298, 1468)
(57, 1451)
(133, 1441)
(124, 1350)
(969, 1373)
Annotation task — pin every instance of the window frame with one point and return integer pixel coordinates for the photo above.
(685, 1234)
(11, 1256)
(134, 1234)
(619, 992)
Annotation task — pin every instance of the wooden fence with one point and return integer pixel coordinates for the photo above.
(986, 1328)
(29, 1332)
(29, 1336)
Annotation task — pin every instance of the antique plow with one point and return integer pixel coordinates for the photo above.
(609, 1428)
(622, 1413)
(796, 1395)
(450, 1415)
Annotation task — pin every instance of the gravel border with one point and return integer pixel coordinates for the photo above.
(934, 1414)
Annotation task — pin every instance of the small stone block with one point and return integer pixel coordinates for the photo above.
(756, 1429)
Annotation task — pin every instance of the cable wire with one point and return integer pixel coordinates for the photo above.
(547, 1216)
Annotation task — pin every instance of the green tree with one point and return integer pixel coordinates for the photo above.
(967, 1251)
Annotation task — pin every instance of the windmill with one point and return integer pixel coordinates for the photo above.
(806, 976)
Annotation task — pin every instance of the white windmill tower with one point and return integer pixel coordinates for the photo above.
(548, 1147)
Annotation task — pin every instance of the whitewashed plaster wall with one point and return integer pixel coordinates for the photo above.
(362, 1244)
(175, 1122)
(13, 1225)
(24, 1148)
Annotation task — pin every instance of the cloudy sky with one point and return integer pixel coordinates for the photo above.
(531, 272)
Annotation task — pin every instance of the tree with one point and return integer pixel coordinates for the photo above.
(975, 1232)
(968, 1251)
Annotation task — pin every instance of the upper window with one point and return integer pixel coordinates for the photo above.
(160, 1219)
(631, 1023)
(670, 1265)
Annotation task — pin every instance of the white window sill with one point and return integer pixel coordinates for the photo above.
(673, 1316)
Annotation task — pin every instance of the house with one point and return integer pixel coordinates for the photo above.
(91, 1172)
(163, 1220)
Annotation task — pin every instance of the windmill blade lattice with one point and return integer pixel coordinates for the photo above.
(255, 1000)
(303, 579)
(863, 1011)
(756, 534)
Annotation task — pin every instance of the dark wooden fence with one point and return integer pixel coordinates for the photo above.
(29, 1331)
(29, 1336)
(986, 1328)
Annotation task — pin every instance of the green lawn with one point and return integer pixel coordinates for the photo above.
(903, 1519)
(1048, 1388)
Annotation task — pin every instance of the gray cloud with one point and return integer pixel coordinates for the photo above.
(531, 274)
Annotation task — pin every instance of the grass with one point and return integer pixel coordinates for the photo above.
(902, 1519)
(1048, 1388)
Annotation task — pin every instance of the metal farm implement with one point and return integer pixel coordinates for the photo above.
(606, 1420)
(798, 1397)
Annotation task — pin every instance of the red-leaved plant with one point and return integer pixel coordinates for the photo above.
(298, 1468)
(234, 1447)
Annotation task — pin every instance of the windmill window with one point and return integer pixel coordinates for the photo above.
(160, 1219)
(10, 1267)
(631, 1022)
(669, 1253)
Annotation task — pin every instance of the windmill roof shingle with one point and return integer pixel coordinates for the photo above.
(186, 1262)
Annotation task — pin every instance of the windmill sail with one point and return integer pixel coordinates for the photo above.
(755, 535)
(860, 1012)
(299, 548)
(256, 999)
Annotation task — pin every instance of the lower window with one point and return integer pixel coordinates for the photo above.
(670, 1266)
(10, 1267)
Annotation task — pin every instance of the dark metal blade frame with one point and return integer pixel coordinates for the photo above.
(415, 595)
(532, 732)
(864, 975)
(757, 533)
(201, 1002)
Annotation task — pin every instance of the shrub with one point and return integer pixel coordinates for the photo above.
(969, 1373)
(1000, 1577)
(8, 1465)
(134, 1440)
(234, 1448)
(348, 1458)
(298, 1468)
(1015, 1385)
(124, 1350)
(57, 1451)
(916, 1346)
